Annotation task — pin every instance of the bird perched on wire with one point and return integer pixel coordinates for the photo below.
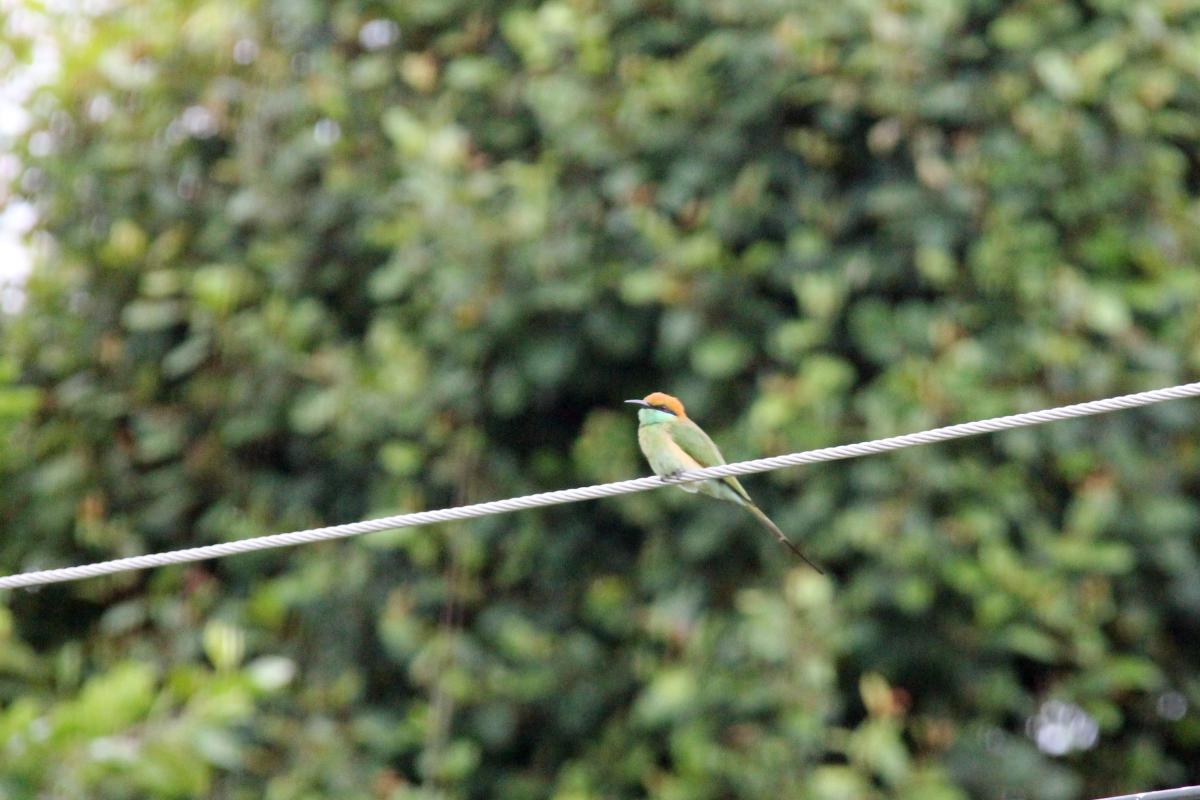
(673, 444)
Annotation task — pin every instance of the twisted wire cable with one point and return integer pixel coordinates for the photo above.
(46, 576)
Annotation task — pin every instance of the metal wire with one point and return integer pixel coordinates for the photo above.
(40, 577)
(1182, 793)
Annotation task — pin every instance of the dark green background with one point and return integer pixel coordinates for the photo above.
(296, 271)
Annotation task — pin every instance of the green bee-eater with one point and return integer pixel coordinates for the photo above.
(673, 443)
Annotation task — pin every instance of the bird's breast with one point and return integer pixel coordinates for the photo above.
(664, 455)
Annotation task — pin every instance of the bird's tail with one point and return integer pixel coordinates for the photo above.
(771, 526)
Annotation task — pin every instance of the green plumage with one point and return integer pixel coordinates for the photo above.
(674, 444)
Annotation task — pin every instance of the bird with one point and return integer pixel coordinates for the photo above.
(672, 444)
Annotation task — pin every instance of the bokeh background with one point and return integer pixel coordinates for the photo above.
(298, 263)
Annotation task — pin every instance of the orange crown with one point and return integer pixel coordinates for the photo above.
(666, 401)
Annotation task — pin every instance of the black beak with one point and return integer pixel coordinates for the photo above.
(641, 403)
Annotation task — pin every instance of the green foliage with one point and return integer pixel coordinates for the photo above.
(311, 263)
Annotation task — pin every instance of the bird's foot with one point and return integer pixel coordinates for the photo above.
(670, 476)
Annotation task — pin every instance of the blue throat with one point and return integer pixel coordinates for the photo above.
(652, 416)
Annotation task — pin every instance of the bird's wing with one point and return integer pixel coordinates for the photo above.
(692, 440)
(695, 442)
